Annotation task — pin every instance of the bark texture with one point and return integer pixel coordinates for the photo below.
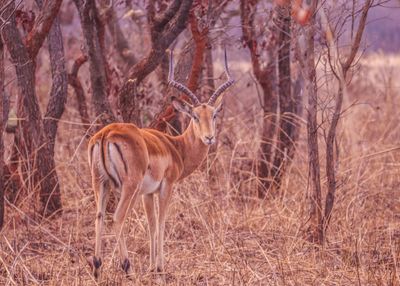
(266, 76)
(119, 41)
(341, 74)
(54, 111)
(74, 81)
(35, 155)
(93, 34)
(164, 30)
(270, 52)
(42, 26)
(2, 121)
(287, 103)
(195, 59)
(315, 230)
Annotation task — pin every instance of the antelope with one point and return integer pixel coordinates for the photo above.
(144, 162)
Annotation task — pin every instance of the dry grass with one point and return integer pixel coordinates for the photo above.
(218, 232)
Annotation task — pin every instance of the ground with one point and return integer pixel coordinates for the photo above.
(218, 232)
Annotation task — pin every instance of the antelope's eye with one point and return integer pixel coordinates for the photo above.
(215, 116)
(196, 118)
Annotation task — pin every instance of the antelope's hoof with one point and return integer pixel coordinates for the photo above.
(161, 278)
(96, 267)
(126, 266)
(159, 275)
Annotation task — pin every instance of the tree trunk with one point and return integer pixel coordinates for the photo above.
(74, 81)
(28, 106)
(269, 129)
(41, 26)
(315, 229)
(12, 178)
(167, 119)
(55, 109)
(209, 69)
(164, 30)
(287, 103)
(30, 133)
(93, 35)
(193, 58)
(2, 121)
(120, 43)
(266, 76)
(340, 73)
(330, 158)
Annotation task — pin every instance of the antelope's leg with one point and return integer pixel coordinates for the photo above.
(163, 202)
(101, 194)
(148, 203)
(126, 202)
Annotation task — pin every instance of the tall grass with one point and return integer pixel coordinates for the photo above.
(218, 232)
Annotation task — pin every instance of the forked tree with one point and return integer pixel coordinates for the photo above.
(138, 162)
(270, 52)
(340, 65)
(35, 134)
(315, 229)
(164, 28)
(202, 18)
(99, 72)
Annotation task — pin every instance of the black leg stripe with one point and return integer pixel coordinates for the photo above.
(99, 215)
(96, 262)
(122, 157)
(126, 265)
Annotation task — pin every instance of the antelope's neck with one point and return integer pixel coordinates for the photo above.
(192, 150)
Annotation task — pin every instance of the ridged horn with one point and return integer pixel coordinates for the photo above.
(177, 85)
(223, 87)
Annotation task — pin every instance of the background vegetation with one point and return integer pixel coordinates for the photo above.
(302, 187)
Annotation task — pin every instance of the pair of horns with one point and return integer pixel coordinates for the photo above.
(188, 92)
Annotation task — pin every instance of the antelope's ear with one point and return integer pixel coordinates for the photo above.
(182, 106)
(218, 104)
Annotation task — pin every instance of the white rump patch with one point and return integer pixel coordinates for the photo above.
(149, 185)
(96, 162)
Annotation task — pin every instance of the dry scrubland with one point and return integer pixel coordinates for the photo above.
(218, 232)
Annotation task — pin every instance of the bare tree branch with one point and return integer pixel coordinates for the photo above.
(161, 41)
(167, 116)
(119, 40)
(74, 81)
(39, 165)
(42, 25)
(58, 93)
(340, 71)
(94, 42)
(166, 17)
(357, 40)
(247, 10)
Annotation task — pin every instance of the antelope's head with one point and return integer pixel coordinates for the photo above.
(203, 115)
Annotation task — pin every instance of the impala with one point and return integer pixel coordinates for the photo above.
(145, 162)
